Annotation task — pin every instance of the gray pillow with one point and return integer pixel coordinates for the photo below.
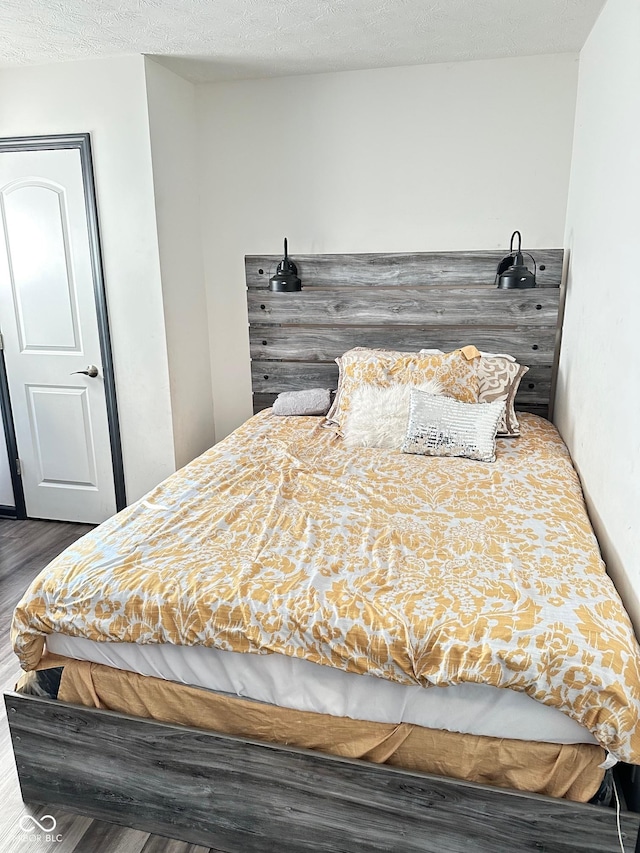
(314, 401)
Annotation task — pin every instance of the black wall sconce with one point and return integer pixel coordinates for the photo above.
(512, 271)
(286, 278)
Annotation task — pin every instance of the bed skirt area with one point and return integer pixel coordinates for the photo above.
(570, 771)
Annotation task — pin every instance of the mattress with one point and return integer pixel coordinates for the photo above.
(422, 572)
(301, 685)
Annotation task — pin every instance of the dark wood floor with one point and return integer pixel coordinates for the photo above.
(25, 548)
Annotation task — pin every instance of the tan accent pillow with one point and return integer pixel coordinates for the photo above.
(456, 372)
(499, 376)
(499, 379)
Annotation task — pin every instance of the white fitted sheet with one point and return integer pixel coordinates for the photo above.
(479, 709)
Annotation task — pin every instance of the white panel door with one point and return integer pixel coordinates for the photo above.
(49, 325)
(6, 486)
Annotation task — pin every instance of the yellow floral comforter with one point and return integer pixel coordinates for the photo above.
(414, 569)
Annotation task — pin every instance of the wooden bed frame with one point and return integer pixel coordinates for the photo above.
(243, 796)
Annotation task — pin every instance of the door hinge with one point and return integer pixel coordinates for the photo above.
(1, 342)
(19, 467)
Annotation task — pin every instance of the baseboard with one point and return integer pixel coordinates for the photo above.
(8, 511)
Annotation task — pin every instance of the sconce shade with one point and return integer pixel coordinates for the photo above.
(286, 278)
(512, 272)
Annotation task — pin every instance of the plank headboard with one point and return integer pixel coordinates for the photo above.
(400, 301)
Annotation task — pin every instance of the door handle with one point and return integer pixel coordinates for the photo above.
(91, 370)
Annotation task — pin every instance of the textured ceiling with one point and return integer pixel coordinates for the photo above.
(230, 39)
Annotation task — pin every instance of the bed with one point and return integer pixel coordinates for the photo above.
(284, 569)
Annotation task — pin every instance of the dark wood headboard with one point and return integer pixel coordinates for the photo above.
(430, 300)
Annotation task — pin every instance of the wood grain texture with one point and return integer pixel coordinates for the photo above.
(435, 306)
(384, 270)
(325, 343)
(273, 377)
(158, 844)
(265, 401)
(248, 797)
(100, 835)
(399, 301)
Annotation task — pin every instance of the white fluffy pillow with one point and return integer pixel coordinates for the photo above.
(378, 417)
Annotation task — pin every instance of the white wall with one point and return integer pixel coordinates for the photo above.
(107, 97)
(421, 158)
(598, 399)
(172, 125)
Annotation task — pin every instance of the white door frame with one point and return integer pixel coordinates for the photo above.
(81, 142)
(6, 419)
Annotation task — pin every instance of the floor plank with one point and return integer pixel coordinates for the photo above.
(115, 839)
(25, 549)
(157, 844)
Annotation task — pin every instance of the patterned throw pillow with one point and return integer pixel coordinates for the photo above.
(440, 426)
(499, 378)
(455, 371)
